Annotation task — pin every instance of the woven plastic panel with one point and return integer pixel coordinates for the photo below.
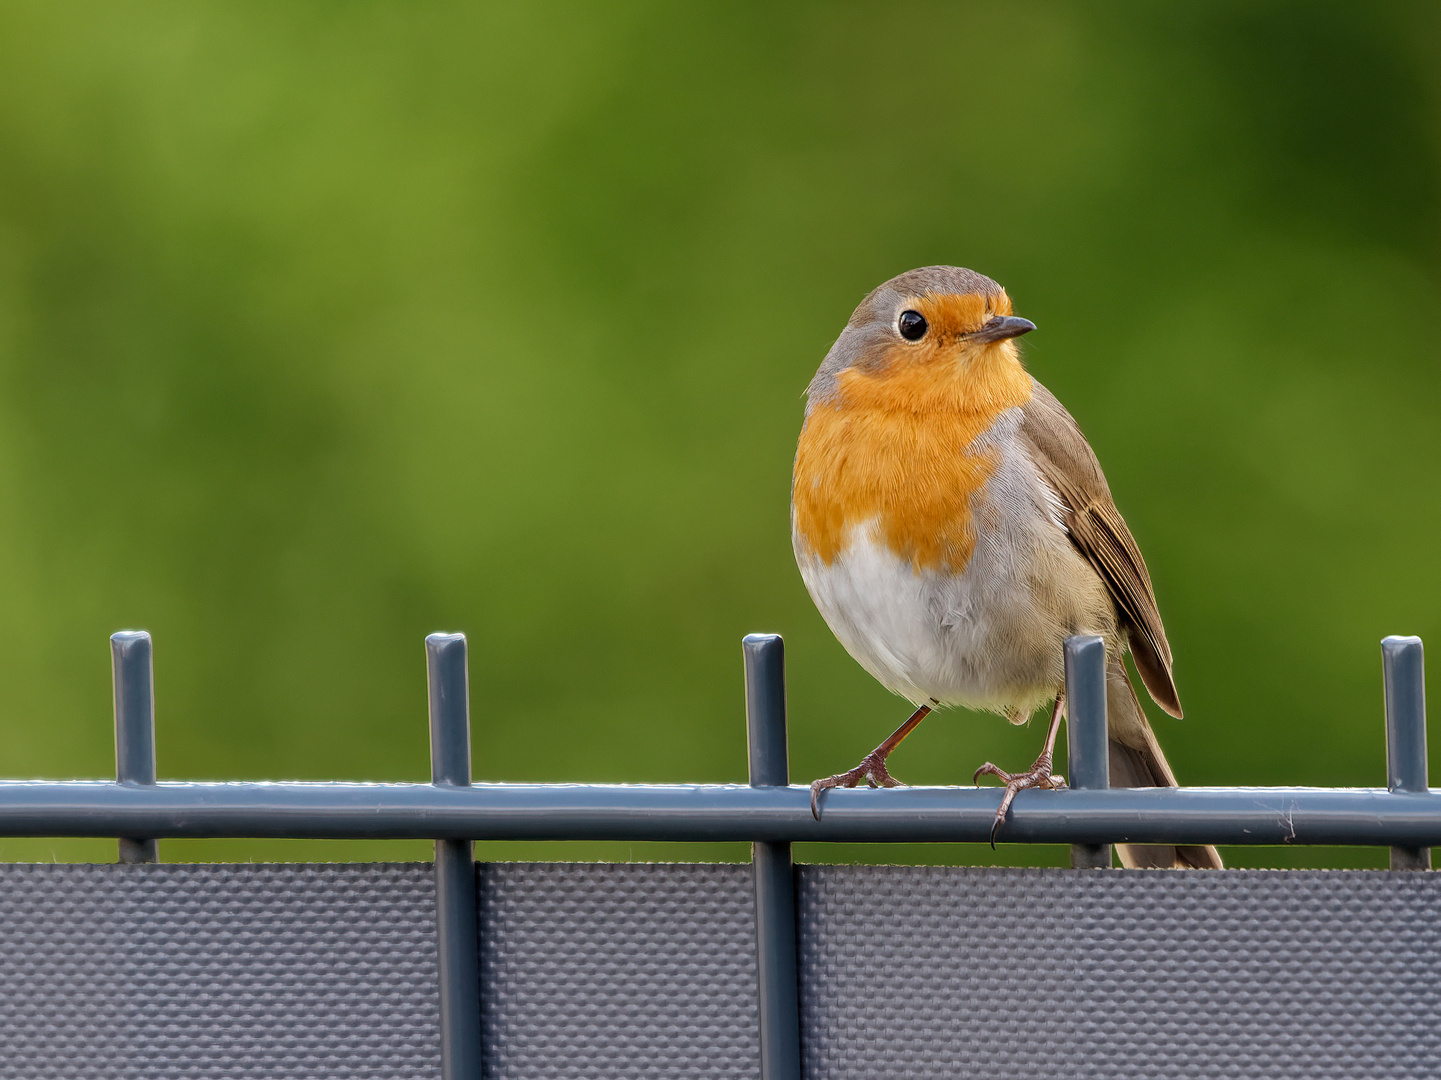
(919, 972)
(217, 971)
(618, 971)
(648, 971)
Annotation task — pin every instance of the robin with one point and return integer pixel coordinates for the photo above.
(954, 527)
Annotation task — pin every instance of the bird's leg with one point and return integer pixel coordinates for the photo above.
(872, 768)
(1038, 775)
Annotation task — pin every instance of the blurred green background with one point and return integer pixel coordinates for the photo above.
(325, 326)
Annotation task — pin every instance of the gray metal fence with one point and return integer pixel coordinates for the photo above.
(847, 970)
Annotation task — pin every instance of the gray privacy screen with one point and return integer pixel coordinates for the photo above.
(648, 971)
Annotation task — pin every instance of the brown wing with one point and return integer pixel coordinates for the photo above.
(1070, 467)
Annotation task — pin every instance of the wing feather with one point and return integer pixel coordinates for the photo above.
(1099, 532)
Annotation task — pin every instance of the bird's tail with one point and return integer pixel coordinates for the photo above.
(1137, 761)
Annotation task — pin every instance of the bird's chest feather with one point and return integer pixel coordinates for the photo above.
(907, 451)
(935, 552)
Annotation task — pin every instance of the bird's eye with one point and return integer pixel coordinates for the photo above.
(913, 325)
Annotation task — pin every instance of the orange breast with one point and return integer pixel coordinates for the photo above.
(894, 445)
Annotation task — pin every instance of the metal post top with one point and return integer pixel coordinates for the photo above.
(449, 680)
(1396, 641)
(1087, 734)
(134, 689)
(765, 674)
(1404, 678)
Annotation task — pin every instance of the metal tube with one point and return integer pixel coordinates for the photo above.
(1404, 671)
(456, 927)
(132, 673)
(778, 994)
(1088, 756)
(718, 812)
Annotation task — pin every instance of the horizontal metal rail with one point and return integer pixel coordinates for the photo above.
(719, 812)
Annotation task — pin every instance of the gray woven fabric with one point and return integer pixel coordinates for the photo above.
(649, 971)
(618, 971)
(217, 971)
(921, 972)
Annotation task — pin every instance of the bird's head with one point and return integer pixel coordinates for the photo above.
(944, 319)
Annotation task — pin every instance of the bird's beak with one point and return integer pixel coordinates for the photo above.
(1000, 327)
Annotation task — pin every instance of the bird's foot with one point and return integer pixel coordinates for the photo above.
(1038, 775)
(872, 770)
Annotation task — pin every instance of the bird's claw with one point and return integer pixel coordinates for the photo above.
(872, 770)
(1038, 775)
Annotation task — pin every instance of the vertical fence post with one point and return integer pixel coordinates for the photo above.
(776, 976)
(132, 673)
(1404, 672)
(455, 912)
(1088, 758)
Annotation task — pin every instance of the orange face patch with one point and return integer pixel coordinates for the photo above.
(894, 444)
(950, 315)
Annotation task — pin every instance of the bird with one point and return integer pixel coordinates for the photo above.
(953, 527)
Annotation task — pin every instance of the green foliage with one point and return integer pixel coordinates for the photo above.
(324, 326)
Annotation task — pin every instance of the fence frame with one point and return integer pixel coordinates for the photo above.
(769, 812)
